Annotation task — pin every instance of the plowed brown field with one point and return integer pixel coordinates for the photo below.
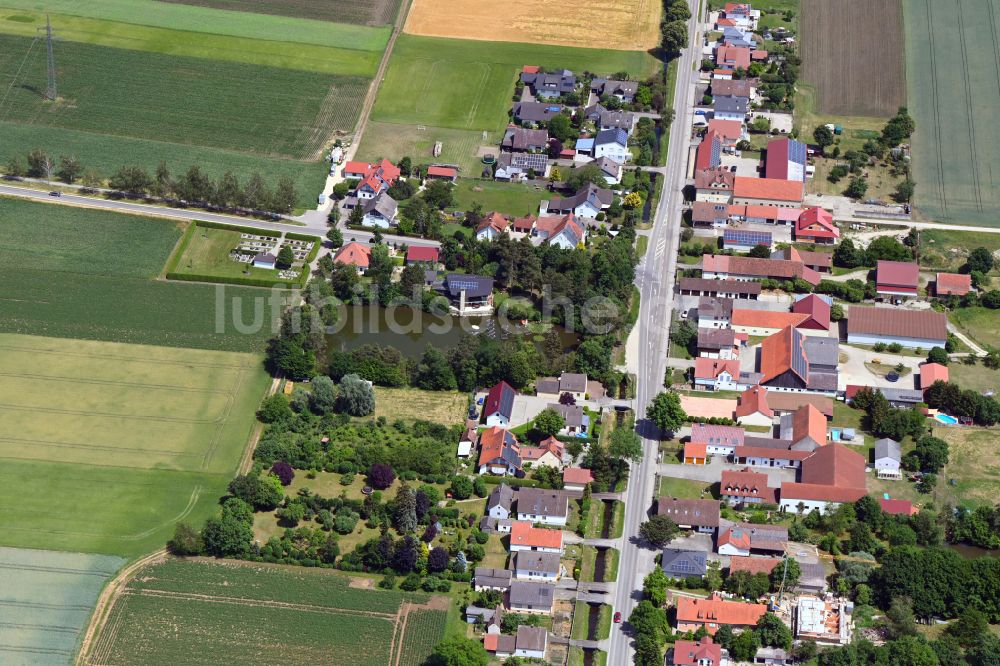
(630, 25)
(852, 51)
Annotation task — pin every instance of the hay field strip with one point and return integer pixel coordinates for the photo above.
(630, 25)
(953, 71)
(852, 52)
(45, 601)
(185, 611)
(117, 441)
(210, 21)
(228, 48)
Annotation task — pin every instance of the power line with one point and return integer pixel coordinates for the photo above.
(50, 90)
(17, 74)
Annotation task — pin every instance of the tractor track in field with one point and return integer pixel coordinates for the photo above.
(974, 159)
(937, 110)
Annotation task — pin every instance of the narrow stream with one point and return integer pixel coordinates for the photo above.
(588, 657)
(600, 563)
(609, 517)
(593, 620)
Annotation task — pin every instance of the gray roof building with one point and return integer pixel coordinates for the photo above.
(693, 512)
(528, 596)
(678, 563)
(542, 502)
(528, 560)
(716, 339)
(615, 135)
(383, 204)
(574, 415)
(902, 397)
(728, 104)
(484, 578)
(519, 139)
(714, 307)
(887, 448)
(599, 196)
(473, 285)
(554, 84)
(610, 168)
(624, 89)
(502, 496)
(617, 120)
(536, 112)
(573, 382)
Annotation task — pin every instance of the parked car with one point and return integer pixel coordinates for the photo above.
(618, 617)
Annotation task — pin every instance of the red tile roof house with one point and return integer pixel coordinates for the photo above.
(700, 653)
(746, 487)
(732, 57)
(768, 191)
(932, 372)
(722, 267)
(752, 565)
(715, 185)
(897, 279)
(694, 454)
(952, 284)
(910, 328)
(818, 310)
(728, 131)
(525, 536)
(752, 408)
(791, 361)
(354, 254)
(895, 507)
(374, 177)
(500, 453)
(815, 225)
(416, 254)
(714, 612)
(717, 374)
(831, 476)
(491, 226)
(442, 173)
(709, 152)
(575, 478)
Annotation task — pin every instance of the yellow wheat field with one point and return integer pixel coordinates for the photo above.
(626, 25)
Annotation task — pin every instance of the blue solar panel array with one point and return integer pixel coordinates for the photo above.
(799, 362)
(746, 237)
(796, 152)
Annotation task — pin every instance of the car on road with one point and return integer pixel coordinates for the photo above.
(53, 193)
(618, 617)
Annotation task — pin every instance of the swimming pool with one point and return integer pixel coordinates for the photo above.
(945, 419)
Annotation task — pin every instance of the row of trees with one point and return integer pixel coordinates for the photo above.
(194, 186)
(885, 420)
(948, 396)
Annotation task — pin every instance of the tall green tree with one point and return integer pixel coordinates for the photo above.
(665, 412)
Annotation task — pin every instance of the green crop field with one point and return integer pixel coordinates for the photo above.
(951, 70)
(197, 612)
(106, 153)
(181, 99)
(424, 630)
(464, 84)
(288, 55)
(87, 274)
(106, 445)
(45, 601)
(371, 12)
(210, 21)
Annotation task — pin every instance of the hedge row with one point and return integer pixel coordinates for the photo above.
(241, 281)
(293, 235)
(243, 230)
(512, 482)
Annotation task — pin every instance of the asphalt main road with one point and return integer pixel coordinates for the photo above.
(134, 208)
(655, 280)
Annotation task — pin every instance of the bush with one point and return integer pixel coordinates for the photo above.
(283, 471)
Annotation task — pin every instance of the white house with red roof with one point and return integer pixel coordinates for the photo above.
(560, 230)
(815, 225)
(491, 226)
(374, 178)
(354, 254)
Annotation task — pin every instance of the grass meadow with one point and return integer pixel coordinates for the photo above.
(180, 99)
(465, 84)
(951, 75)
(366, 12)
(209, 21)
(107, 445)
(198, 612)
(88, 274)
(45, 602)
(394, 141)
(508, 198)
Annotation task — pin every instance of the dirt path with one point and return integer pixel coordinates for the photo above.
(105, 602)
(246, 462)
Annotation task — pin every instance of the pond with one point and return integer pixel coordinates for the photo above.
(410, 330)
(972, 552)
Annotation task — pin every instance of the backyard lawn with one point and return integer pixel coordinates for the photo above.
(511, 199)
(414, 404)
(685, 488)
(978, 323)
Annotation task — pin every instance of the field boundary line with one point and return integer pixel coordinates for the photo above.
(104, 603)
(937, 109)
(192, 500)
(976, 188)
(269, 603)
(130, 417)
(112, 382)
(85, 447)
(135, 359)
(256, 430)
(227, 413)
